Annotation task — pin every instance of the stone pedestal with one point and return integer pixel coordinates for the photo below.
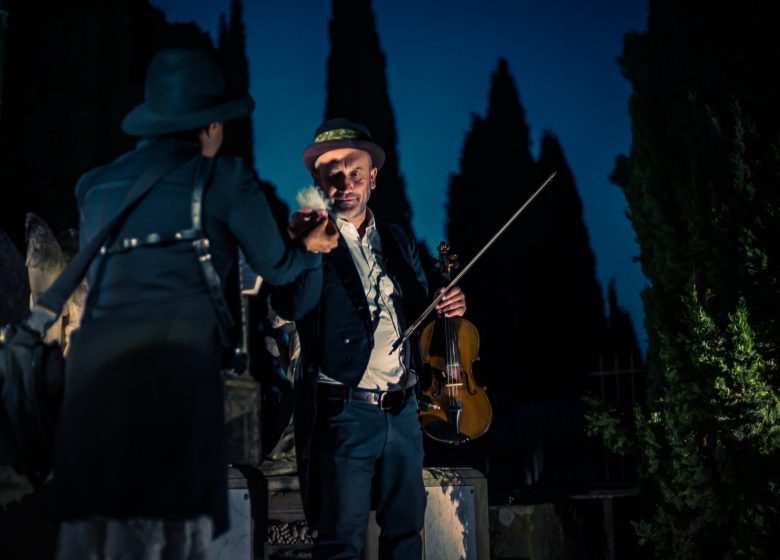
(287, 534)
(242, 419)
(456, 518)
(238, 541)
(526, 531)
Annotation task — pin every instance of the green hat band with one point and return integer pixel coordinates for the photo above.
(338, 134)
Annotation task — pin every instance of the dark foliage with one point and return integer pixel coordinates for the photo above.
(702, 189)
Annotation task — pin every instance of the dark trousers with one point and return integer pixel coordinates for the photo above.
(358, 452)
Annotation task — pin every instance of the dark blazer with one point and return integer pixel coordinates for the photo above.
(141, 430)
(330, 309)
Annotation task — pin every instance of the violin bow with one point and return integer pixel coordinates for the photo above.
(414, 326)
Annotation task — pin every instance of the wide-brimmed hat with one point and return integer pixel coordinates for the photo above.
(335, 134)
(185, 90)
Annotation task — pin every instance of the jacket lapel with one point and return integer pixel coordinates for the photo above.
(399, 266)
(390, 256)
(341, 260)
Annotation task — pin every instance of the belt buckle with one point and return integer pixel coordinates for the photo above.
(395, 400)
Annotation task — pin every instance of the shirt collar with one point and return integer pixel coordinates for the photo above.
(347, 229)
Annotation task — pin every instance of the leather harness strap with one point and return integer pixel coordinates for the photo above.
(204, 168)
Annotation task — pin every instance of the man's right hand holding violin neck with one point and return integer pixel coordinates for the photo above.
(315, 230)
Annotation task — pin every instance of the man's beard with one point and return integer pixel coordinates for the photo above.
(349, 211)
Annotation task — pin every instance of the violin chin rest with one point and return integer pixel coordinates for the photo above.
(445, 432)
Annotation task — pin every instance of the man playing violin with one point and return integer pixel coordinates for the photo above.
(358, 436)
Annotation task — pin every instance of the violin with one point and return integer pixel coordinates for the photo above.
(454, 409)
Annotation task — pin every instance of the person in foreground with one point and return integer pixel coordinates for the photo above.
(358, 435)
(140, 460)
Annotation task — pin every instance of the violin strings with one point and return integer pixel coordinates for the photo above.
(455, 360)
(452, 365)
(448, 361)
(452, 362)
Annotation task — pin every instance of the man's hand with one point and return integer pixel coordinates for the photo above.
(453, 304)
(303, 220)
(315, 229)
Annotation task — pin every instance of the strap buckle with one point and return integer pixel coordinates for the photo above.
(383, 401)
(390, 400)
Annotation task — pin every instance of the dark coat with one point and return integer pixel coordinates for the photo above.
(141, 431)
(331, 313)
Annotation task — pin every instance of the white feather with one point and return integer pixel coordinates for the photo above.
(312, 197)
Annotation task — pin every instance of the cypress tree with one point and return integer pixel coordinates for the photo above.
(621, 349)
(543, 293)
(703, 199)
(357, 90)
(3, 24)
(534, 297)
(72, 71)
(496, 172)
(571, 313)
(231, 50)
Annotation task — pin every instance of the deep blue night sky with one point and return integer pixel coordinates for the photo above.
(440, 55)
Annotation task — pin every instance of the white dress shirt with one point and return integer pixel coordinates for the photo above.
(385, 371)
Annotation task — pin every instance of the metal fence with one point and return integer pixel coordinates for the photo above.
(621, 388)
(541, 450)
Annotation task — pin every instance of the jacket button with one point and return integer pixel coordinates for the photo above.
(346, 340)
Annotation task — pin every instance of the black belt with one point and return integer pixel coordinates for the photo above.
(386, 400)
